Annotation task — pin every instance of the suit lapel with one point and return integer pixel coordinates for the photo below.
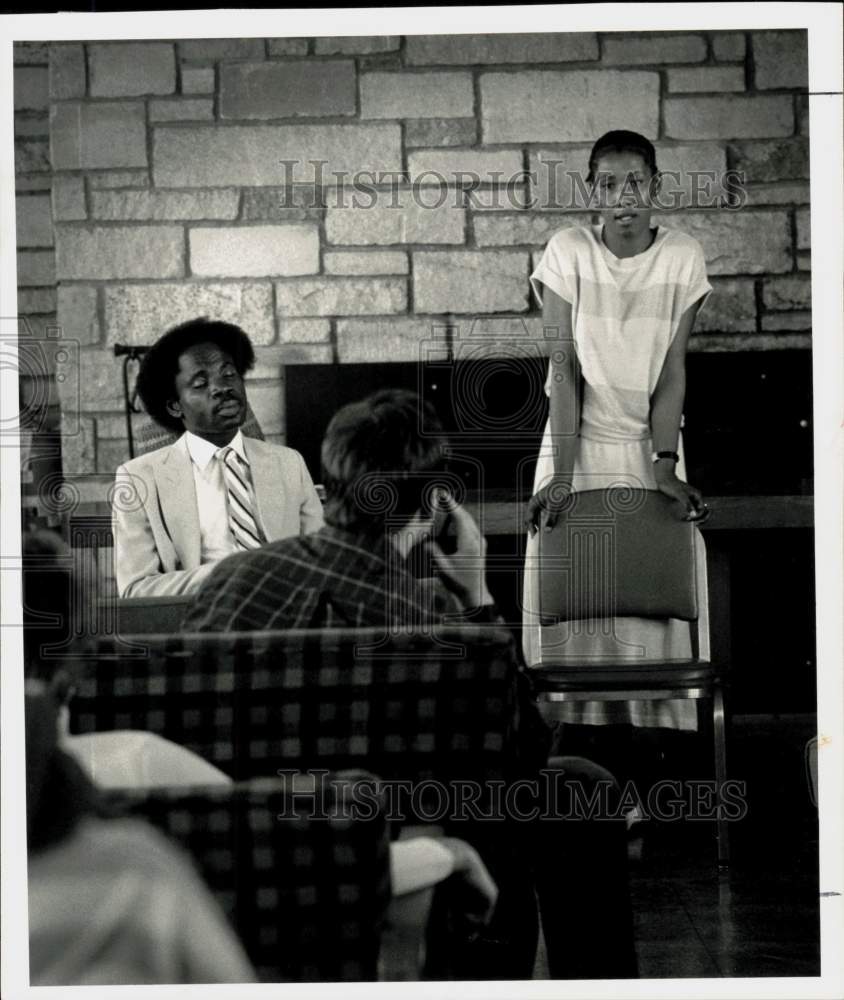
(269, 488)
(177, 499)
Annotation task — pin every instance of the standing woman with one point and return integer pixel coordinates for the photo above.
(623, 295)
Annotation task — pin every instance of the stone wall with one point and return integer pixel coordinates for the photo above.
(158, 181)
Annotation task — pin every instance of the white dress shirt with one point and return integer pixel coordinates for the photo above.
(216, 539)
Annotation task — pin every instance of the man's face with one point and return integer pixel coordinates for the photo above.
(210, 395)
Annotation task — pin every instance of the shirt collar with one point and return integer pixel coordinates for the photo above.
(201, 451)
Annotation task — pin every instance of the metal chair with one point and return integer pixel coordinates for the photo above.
(626, 553)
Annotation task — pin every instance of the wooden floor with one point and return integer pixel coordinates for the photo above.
(761, 917)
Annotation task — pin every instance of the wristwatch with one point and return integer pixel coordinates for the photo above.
(657, 455)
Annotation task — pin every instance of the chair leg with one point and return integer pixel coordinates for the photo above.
(720, 745)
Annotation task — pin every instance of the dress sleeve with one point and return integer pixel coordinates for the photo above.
(697, 286)
(555, 269)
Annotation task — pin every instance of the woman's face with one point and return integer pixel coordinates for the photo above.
(624, 187)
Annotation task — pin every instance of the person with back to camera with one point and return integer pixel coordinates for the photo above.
(623, 295)
(180, 509)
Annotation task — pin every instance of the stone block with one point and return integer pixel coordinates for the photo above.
(787, 321)
(197, 80)
(373, 340)
(146, 205)
(33, 221)
(739, 242)
(416, 95)
(369, 262)
(30, 53)
(297, 89)
(787, 293)
(116, 252)
(111, 454)
(341, 296)
(499, 198)
(804, 239)
(267, 402)
(731, 308)
(440, 132)
(36, 268)
(771, 161)
(705, 79)
(139, 314)
(32, 182)
(351, 45)
(32, 156)
(718, 344)
(205, 50)
(178, 109)
(464, 166)
(67, 72)
(470, 50)
(304, 331)
(254, 251)
(69, 199)
(780, 59)
(92, 136)
(287, 47)
(108, 179)
(79, 445)
(744, 116)
(391, 221)
(523, 229)
(36, 301)
(31, 88)
(566, 106)
(804, 260)
(251, 155)
(32, 125)
(793, 193)
(299, 203)
(668, 47)
(130, 69)
(470, 281)
(78, 313)
(729, 46)
(307, 354)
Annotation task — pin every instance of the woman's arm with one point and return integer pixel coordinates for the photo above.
(564, 411)
(666, 413)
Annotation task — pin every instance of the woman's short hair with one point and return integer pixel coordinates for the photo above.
(380, 456)
(157, 377)
(622, 141)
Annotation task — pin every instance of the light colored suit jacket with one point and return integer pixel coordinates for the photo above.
(155, 520)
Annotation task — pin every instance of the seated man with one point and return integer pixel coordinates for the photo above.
(379, 470)
(180, 509)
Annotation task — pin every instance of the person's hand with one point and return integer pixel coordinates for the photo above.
(688, 496)
(463, 572)
(545, 505)
(474, 891)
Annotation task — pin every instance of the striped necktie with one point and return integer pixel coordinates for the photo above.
(241, 517)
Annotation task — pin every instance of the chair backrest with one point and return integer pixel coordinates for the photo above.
(439, 706)
(148, 435)
(304, 878)
(618, 553)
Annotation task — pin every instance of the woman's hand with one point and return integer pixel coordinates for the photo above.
(551, 499)
(689, 497)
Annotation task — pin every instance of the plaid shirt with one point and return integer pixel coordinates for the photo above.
(328, 579)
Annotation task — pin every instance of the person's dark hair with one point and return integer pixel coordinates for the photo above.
(58, 792)
(622, 141)
(379, 457)
(55, 625)
(156, 383)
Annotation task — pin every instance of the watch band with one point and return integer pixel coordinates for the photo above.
(657, 455)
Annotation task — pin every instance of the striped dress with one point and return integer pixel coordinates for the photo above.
(625, 313)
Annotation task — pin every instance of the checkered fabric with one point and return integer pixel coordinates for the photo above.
(303, 876)
(443, 705)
